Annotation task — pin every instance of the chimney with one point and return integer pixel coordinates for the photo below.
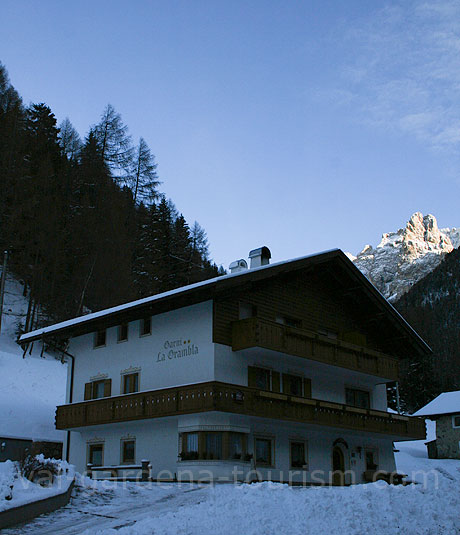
(260, 257)
(238, 265)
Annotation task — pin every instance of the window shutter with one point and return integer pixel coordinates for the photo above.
(252, 376)
(306, 388)
(107, 388)
(88, 391)
(276, 381)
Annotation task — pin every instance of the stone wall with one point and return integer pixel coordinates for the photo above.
(447, 438)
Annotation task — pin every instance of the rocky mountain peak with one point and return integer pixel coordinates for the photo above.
(407, 255)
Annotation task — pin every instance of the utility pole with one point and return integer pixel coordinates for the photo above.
(2, 286)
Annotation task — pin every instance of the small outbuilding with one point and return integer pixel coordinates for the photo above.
(445, 410)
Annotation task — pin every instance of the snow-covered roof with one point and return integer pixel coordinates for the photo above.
(152, 298)
(224, 282)
(445, 403)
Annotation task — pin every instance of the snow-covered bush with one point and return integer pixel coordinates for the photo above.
(39, 470)
(8, 474)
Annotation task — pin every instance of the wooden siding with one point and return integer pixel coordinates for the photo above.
(216, 396)
(319, 303)
(254, 332)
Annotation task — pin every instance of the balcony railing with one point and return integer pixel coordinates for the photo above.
(216, 396)
(254, 332)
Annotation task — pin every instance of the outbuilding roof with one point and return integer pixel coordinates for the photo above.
(445, 403)
(334, 261)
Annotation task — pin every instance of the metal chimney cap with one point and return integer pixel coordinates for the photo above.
(264, 252)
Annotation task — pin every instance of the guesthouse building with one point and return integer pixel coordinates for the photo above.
(274, 372)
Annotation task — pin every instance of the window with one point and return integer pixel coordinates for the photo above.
(246, 310)
(259, 378)
(456, 420)
(95, 454)
(263, 451)
(189, 446)
(130, 383)
(146, 326)
(204, 445)
(289, 321)
(100, 338)
(292, 385)
(298, 454)
(371, 460)
(357, 398)
(235, 446)
(98, 389)
(213, 446)
(123, 332)
(128, 451)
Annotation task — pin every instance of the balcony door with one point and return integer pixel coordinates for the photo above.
(338, 466)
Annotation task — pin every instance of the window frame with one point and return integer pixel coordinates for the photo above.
(301, 379)
(142, 325)
(90, 447)
(124, 377)
(361, 390)
(96, 344)
(201, 454)
(454, 425)
(94, 388)
(123, 442)
(305, 451)
(119, 331)
(271, 441)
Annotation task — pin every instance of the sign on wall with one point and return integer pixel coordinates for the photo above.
(176, 349)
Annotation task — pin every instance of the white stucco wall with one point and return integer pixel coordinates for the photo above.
(176, 330)
(158, 441)
(328, 382)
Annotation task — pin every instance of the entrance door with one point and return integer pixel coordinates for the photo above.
(338, 466)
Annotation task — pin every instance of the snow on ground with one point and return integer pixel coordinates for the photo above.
(30, 388)
(430, 507)
(25, 491)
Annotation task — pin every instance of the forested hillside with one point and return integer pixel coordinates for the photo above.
(84, 221)
(432, 307)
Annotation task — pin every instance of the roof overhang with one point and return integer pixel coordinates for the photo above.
(334, 260)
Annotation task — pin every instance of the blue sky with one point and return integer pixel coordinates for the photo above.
(300, 125)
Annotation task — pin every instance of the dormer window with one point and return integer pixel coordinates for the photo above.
(146, 326)
(100, 338)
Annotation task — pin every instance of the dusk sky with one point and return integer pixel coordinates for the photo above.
(300, 125)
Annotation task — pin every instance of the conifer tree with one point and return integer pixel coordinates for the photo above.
(144, 179)
(115, 144)
(69, 140)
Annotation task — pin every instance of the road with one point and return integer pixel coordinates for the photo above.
(92, 509)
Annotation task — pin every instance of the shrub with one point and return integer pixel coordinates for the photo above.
(39, 470)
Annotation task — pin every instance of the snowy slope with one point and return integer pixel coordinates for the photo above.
(404, 257)
(31, 387)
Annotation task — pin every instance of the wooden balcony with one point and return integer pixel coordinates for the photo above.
(254, 332)
(215, 396)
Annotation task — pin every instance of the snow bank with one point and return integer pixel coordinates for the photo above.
(430, 507)
(24, 491)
